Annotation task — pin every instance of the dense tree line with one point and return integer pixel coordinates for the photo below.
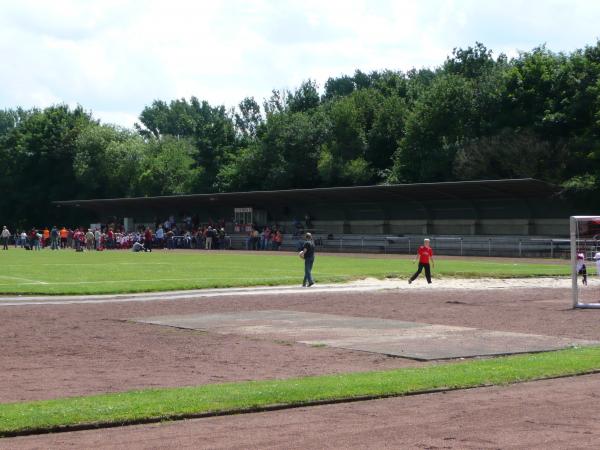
(474, 117)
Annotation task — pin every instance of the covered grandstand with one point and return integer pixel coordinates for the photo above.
(515, 207)
(515, 217)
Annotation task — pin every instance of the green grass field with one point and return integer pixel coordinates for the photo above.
(67, 272)
(173, 403)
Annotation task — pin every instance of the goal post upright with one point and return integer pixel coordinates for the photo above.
(574, 288)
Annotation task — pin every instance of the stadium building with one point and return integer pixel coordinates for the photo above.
(516, 207)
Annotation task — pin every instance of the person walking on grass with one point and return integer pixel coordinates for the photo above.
(308, 254)
(424, 256)
(5, 235)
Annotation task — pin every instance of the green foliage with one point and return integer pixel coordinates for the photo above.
(305, 98)
(442, 115)
(582, 190)
(509, 154)
(346, 142)
(339, 87)
(249, 119)
(41, 146)
(284, 157)
(386, 132)
(210, 129)
(474, 117)
(168, 167)
(472, 62)
(585, 182)
(104, 153)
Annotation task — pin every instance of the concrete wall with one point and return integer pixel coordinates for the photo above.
(459, 227)
(520, 227)
(551, 227)
(408, 226)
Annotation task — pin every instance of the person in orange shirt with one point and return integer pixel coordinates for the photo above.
(64, 234)
(45, 237)
(277, 240)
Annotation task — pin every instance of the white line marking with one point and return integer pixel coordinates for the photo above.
(182, 295)
(157, 280)
(26, 280)
(153, 280)
(368, 285)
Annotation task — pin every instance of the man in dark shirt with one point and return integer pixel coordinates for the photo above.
(308, 254)
(54, 236)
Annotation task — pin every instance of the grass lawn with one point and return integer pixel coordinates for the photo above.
(67, 272)
(172, 403)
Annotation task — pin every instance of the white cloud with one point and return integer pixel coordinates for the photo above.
(115, 57)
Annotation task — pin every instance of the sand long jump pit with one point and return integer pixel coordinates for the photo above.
(413, 340)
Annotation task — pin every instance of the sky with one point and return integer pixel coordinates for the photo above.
(114, 57)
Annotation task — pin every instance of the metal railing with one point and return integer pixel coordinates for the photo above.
(506, 246)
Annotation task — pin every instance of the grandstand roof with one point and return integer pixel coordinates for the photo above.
(456, 190)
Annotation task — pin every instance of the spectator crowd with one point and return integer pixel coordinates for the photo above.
(167, 235)
(116, 238)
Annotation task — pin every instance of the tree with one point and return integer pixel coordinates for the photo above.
(277, 103)
(285, 157)
(169, 167)
(387, 131)
(442, 115)
(211, 130)
(110, 161)
(249, 118)
(391, 83)
(342, 157)
(339, 87)
(11, 119)
(43, 148)
(305, 98)
(96, 165)
(509, 154)
(471, 62)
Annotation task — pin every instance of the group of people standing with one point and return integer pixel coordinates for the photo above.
(106, 238)
(266, 239)
(205, 237)
(35, 239)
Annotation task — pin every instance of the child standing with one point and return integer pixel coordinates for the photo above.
(581, 269)
(424, 256)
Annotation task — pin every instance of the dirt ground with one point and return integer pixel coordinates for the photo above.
(65, 350)
(53, 351)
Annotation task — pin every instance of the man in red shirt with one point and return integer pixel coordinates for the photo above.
(424, 255)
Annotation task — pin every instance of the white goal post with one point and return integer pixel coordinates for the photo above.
(585, 251)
